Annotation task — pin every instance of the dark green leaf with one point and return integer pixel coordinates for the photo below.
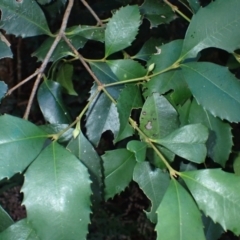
(158, 117)
(217, 193)
(217, 91)
(84, 151)
(154, 183)
(178, 215)
(5, 220)
(3, 89)
(122, 29)
(220, 142)
(64, 77)
(157, 12)
(236, 165)
(5, 50)
(212, 27)
(51, 103)
(183, 112)
(130, 98)
(139, 149)
(187, 142)
(63, 197)
(21, 230)
(20, 143)
(23, 18)
(195, 5)
(118, 171)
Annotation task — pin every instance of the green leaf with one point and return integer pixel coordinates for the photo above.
(84, 151)
(126, 69)
(157, 12)
(65, 195)
(219, 143)
(5, 220)
(122, 29)
(23, 18)
(178, 215)
(130, 98)
(217, 193)
(183, 112)
(62, 50)
(236, 165)
(195, 5)
(138, 148)
(21, 230)
(64, 77)
(217, 91)
(158, 117)
(51, 103)
(154, 183)
(5, 50)
(212, 27)
(3, 89)
(187, 142)
(20, 143)
(118, 170)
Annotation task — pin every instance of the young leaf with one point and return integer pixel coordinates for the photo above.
(17, 19)
(20, 143)
(187, 142)
(118, 171)
(3, 89)
(51, 103)
(5, 50)
(65, 195)
(138, 148)
(217, 193)
(217, 91)
(64, 77)
(212, 27)
(219, 143)
(85, 152)
(154, 183)
(130, 98)
(6, 220)
(122, 29)
(178, 215)
(158, 117)
(21, 230)
(157, 12)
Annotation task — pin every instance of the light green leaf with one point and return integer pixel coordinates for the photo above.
(138, 148)
(64, 77)
(21, 230)
(20, 143)
(213, 27)
(17, 19)
(3, 89)
(158, 117)
(236, 165)
(219, 143)
(217, 91)
(178, 215)
(51, 103)
(187, 142)
(5, 50)
(65, 195)
(118, 170)
(130, 98)
(154, 183)
(122, 29)
(217, 193)
(85, 152)
(157, 12)
(195, 5)
(5, 220)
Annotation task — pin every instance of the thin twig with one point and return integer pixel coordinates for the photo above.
(49, 54)
(92, 12)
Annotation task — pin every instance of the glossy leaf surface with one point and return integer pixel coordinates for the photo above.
(51, 103)
(218, 90)
(65, 195)
(154, 183)
(138, 148)
(121, 29)
(3, 89)
(178, 215)
(18, 20)
(118, 170)
(217, 194)
(20, 143)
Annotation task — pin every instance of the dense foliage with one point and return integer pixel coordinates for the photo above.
(167, 108)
